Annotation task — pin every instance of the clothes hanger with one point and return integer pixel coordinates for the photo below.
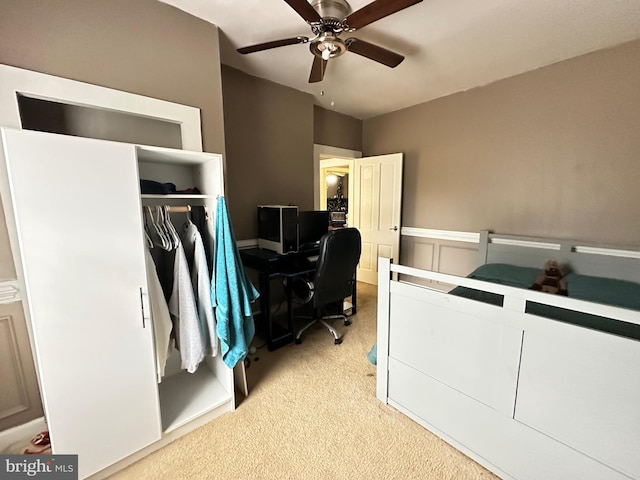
(145, 229)
(175, 238)
(162, 222)
(151, 233)
(165, 243)
(147, 237)
(189, 219)
(188, 222)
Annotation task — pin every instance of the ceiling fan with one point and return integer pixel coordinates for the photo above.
(330, 18)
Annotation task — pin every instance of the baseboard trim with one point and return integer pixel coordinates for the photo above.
(21, 432)
(250, 243)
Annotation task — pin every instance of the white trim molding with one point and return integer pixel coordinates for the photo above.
(249, 243)
(525, 243)
(15, 81)
(456, 236)
(610, 252)
(9, 291)
(21, 433)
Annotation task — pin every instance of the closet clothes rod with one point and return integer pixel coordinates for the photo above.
(173, 208)
(179, 209)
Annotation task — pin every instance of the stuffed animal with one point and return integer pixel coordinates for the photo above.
(551, 279)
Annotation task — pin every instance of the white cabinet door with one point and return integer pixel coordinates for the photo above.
(77, 215)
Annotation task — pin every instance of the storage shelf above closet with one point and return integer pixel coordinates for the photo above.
(172, 156)
(174, 196)
(186, 170)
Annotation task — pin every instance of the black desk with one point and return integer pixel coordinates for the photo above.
(269, 265)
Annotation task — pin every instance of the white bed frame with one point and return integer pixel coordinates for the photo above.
(525, 396)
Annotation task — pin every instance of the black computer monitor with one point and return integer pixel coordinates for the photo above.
(312, 225)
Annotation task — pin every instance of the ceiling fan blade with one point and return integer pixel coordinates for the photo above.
(375, 11)
(276, 43)
(374, 52)
(305, 10)
(317, 69)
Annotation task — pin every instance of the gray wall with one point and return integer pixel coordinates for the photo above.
(269, 138)
(270, 131)
(553, 152)
(336, 130)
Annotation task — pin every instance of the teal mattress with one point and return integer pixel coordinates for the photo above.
(608, 291)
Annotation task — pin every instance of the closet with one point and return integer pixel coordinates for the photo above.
(74, 214)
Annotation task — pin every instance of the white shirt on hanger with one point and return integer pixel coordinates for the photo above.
(201, 282)
(182, 305)
(161, 319)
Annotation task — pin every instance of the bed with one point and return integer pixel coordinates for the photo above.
(529, 384)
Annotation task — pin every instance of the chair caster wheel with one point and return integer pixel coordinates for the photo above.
(347, 323)
(298, 341)
(338, 341)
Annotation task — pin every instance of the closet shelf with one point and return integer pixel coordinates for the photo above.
(174, 196)
(185, 396)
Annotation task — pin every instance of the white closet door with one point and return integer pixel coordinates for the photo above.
(77, 210)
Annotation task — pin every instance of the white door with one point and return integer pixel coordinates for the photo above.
(77, 217)
(377, 210)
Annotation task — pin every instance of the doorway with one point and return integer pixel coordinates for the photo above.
(373, 200)
(336, 183)
(325, 158)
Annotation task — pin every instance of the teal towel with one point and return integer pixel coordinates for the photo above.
(372, 356)
(231, 293)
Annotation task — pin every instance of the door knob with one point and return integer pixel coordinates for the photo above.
(394, 228)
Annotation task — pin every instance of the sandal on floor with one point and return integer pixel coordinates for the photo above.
(41, 439)
(41, 443)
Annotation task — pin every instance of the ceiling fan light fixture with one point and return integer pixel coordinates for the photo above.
(328, 46)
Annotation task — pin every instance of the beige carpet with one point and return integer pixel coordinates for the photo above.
(312, 414)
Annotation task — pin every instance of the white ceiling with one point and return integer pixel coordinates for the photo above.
(449, 45)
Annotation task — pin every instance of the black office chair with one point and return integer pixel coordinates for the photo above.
(333, 280)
